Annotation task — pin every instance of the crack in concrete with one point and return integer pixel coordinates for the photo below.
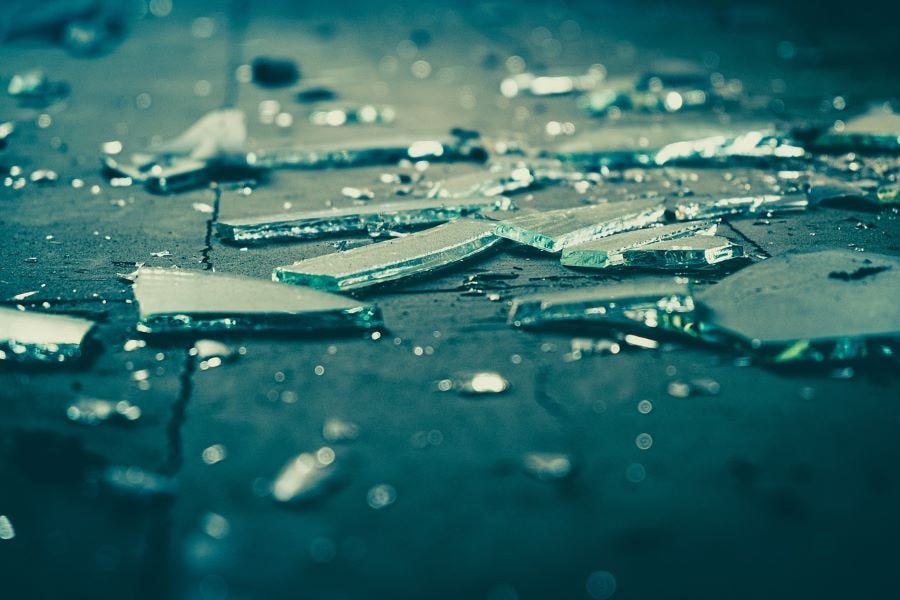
(744, 237)
(207, 239)
(174, 443)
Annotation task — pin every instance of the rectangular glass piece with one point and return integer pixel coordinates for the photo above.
(313, 224)
(556, 229)
(369, 152)
(173, 300)
(723, 207)
(41, 337)
(414, 254)
(686, 252)
(608, 252)
(665, 304)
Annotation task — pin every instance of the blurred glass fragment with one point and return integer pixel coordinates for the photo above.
(555, 230)
(818, 306)
(415, 254)
(83, 27)
(876, 131)
(473, 383)
(313, 224)
(506, 178)
(34, 89)
(608, 252)
(683, 253)
(712, 208)
(32, 337)
(173, 300)
(93, 411)
(306, 476)
(136, 483)
(547, 466)
(367, 114)
(552, 85)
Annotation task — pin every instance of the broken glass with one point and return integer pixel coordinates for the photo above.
(746, 205)
(472, 383)
(93, 411)
(414, 254)
(749, 145)
(683, 253)
(34, 89)
(505, 179)
(556, 229)
(313, 224)
(608, 251)
(819, 306)
(41, 337)
(344, 116)
(554, 85)
(173, 300)
(306, 476)
(136, 482)
(656, 304)
(878, 130)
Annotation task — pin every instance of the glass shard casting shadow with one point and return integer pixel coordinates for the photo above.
(608, 252)
(33, 337)
(683, 253)
(173, 300)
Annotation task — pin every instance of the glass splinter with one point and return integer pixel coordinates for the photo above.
(173, 300)
(312, 224)
(665, 304)
(414, 254)
(40, 337)
(686, 252)
(556, 229)
(710, 209)
(608, 251)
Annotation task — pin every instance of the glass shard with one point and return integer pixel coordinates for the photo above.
(414, 254)
(683, 253)
(306, 476)
(313, 224)
(799, 307)
(34, 89)
(338, 430)
(665, 304)
(878, 130)
(367, 113)
(173, 300)
(556, 229)
(506, 179)
(723, 207)
(608, 251)
(135, 482)
(93, 411)
(547, 466)
(554, 85)
(750, 145)
(475, 383)
(41, 337)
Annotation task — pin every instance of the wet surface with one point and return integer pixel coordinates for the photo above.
(450, 454)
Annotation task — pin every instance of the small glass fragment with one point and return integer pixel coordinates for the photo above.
(747, 205)
(272, 72)
(750, 145)
(475, 383)
(414, 254)
(173, 300)
(41, 337)
(791, 308)
(541, 85)
(547, 466)
(135, 482)
(664, 304)
(609, 251)
(337, 430)
(7, 531)
(877, 130)
(506, 179)
(313, 224)
(554, 230)
(206, 349)
(702, 386)
(357, 193)
(682, 253)
(93, 411)
(307, 476)
(381, 496)
(34, 89)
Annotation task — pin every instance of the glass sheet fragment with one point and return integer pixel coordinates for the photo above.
(688, 210)
(414, 254)
(664, 304)
(552, 85)
(504, 179)
(683, 253)
(877, 130)
(829, 305)
(313, 224)
(306, 476)
(608, 252)
(556, 229)
(173, 300)
(41, 337)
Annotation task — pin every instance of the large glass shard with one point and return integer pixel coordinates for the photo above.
(556, 229)
(661, 304)
(746, 205)
(369, 152)
(875, 131)
(417, 253)
(683, 253)
(608, 252)
(313, 224)
(829, 305)
(173, 300)
(41, 337)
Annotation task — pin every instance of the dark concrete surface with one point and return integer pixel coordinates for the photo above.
(784, 485)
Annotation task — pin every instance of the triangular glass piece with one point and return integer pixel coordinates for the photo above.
(608, 252)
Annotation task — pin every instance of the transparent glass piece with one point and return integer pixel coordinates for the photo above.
(878, 130)
(313, 224)
(41, 337)
(547, 466)
(556, 229)
(608, 252)
(136, 482)
(475, 383)
(369, 152)
(819, 306)
(173, 300)
(414, 254)
(506, 179)
(710, 209)
(750, 145)
(552, 85)
(686, 252)
(93, 411)
(666, 304)
(306, 476)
